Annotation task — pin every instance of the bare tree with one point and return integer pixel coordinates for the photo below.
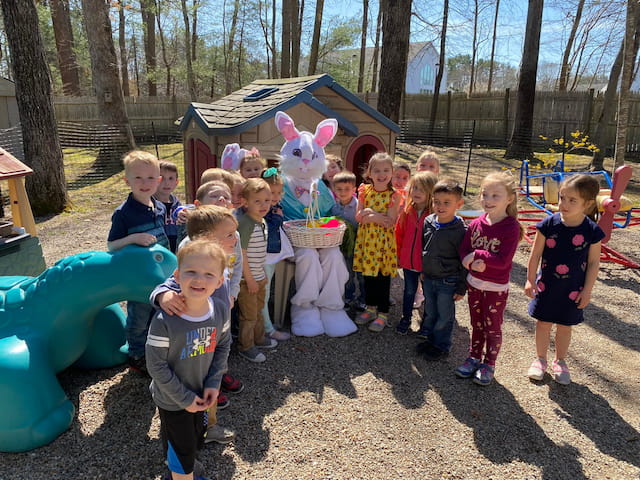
(269, 41)
(46, 187)
(166, 60)
(376, 52)
(104, 69)
(194, 30)
(69, 69)
(122, 44)
(441, 65)
(315, 42)
(274, 64)
(191, 83)
(565, 69)
(363, 44)
(297, 14)
(285, 56)
(474, 47)
(395, 49)
(229, 47)
(493, 46)
(147, 11)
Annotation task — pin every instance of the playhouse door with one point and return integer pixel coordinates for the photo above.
(360, 151)
(202, 159)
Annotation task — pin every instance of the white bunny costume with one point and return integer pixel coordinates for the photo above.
(321, 274)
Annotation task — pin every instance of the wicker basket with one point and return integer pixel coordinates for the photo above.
(313, 237)
(303, 235)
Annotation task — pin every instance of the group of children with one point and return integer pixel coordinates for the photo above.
(234, 238)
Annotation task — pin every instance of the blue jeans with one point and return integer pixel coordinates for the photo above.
(355, 278)
(139, 315)
(411, 280)
(439, 310)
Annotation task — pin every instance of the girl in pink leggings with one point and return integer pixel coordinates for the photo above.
(487, 252)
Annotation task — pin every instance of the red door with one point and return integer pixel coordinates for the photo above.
(200, 158)
(360, 151)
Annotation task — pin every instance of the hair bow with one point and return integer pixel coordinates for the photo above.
(254, 152)
(270, 172)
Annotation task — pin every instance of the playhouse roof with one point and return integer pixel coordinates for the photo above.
(260, 100)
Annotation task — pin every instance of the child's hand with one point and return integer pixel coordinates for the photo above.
(198, 405)
(457, 296)
(278, 211)
(530, 289)
(466, 261)
(252, 285)
(478, 265)
(232, 301)
(210, 396)
(583, 298)
(171, 302)
(143, 239)
(182, 217)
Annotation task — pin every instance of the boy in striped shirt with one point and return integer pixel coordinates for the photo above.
(256, 200)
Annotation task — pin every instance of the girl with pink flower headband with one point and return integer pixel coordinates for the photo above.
(567, 250)
(487, 251)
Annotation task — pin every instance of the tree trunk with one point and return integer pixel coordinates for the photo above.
(191, 84)
(395, 49)
(376, 53)
(493, 46)
(69, 69)
(274, 63)
(441, 64)
(136, 71)
(228, 54)
(46, 188)
(474, 50)
(315, 42)
(520, 143)
(106, 83)
(124, 70)
(565, 70)
(285, 57)
(194, 32)
(149, 37)
(163, 49)
(296, 33)
(630, 52)
(363, 44)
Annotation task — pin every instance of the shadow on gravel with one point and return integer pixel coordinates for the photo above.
(592, 415)
(503, 431)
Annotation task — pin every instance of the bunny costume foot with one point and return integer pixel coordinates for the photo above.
(321, 274)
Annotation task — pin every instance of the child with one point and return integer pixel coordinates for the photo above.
(274, 220)
(214, 192)
(256, 199)
(428, 161)
(375, 250)
(487, 252)
(409, 241)
(346, 207)
(233, 180)
(140, 221)
(334, 166)
(187, 355)
(401, 175)
(217, 225)
(252, 164)
(443, 277)
(567, 245)
(169, 174)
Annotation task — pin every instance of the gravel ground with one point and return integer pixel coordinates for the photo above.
(365, 407)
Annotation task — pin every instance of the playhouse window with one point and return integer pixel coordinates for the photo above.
(264, 92)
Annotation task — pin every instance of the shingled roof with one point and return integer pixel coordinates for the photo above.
(260, 100)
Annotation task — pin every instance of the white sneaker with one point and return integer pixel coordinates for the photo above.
(280, 336)
(269, 342)
(253, 355)
(219, 434)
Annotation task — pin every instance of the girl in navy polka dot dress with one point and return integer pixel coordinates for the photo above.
(567, 250)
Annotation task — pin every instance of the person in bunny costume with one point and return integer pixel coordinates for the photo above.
(321, 274)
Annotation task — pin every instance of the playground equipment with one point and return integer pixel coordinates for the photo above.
(616, 211)
(52, 321)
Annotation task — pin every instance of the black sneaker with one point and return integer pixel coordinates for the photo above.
(139, 364)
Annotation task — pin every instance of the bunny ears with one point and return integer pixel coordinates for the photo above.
(325, 131)
(233, 155)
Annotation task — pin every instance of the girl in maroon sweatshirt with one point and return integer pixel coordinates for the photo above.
(487, 252)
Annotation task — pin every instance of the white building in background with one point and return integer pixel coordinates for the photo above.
(8, 104)
(422, 68)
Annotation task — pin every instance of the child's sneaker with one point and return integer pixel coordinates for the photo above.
(230, 384)
(468, 368)
(268, 343)
(223, 401)
(280, 336)
(402, 328)
(378, 324)
(253, 355)
(219, 434)
(561, 372)
(537, 369)
(365, 317)
(139, 364)
(422, 334)
(483, 375)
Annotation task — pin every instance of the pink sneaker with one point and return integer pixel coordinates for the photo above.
(537, 369)
(561, 372)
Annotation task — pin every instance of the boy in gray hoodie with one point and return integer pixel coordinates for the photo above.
(443, 276)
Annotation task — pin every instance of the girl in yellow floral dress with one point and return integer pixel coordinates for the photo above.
(375, 250)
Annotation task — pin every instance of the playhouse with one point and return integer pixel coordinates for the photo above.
(247, 116)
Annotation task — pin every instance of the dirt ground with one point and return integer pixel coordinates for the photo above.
(365, 407)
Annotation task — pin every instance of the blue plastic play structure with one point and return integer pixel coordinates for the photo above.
(67, 315)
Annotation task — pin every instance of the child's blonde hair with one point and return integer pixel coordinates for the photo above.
(272, 176)
(380, 157)
(426, 181)
(205, 188)
(253, 186)
(219, 174)
(139, 157)
(507, 180)
(429, 155)
(205, 219)
(203, 247)
(588, 188)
